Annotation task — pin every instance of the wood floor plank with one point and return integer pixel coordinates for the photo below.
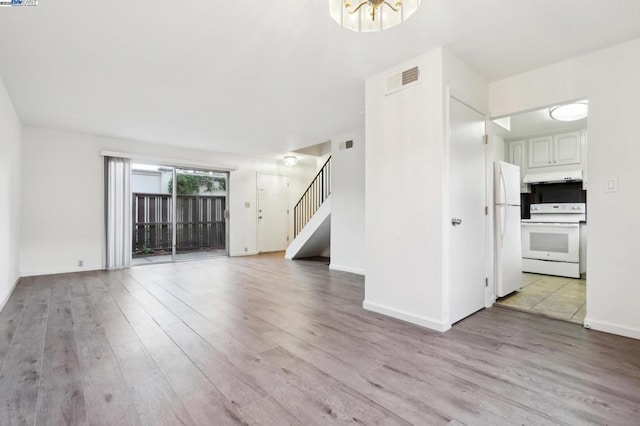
(10, 318)
(61, 393)
(22, 370)
(338, 400)
(264, 375)
(154, 398)
(199, 396)
(261, 340)
(267, 412)
(413, 410)
(239, 388)
(107, 397)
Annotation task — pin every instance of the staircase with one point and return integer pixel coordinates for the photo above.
(312, 218)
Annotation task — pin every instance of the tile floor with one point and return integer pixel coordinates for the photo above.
(556, 297)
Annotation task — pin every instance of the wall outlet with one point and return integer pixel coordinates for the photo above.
(80, 263)
(246, 249)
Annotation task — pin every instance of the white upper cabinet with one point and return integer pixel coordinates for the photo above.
(517, 155)
(559, 152)
(541, 152)
(567, 148)
(556, 150)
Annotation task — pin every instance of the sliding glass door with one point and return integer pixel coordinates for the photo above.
(184, 221)
(200, 214)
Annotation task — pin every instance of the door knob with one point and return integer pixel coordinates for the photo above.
(455, 221)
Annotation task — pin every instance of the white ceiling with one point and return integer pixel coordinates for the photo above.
(261, 77)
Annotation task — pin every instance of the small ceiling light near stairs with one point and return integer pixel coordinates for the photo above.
(570, 112)
(290, 160)
(371, 15)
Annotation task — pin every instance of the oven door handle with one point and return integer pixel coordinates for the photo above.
(551, 225)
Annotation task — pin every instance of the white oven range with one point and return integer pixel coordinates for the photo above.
(551, 239)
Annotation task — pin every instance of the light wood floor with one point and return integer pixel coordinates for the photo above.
(261, 340)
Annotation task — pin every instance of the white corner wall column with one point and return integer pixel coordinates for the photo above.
(406, 174)
(404, 170)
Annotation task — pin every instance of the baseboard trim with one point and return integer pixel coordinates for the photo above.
(64, 271)
(243, 253)
(349, 269)
(6, 298)
(608, 327)
(405, 316)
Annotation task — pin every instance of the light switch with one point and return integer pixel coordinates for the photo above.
(247, 204)
(612, 185)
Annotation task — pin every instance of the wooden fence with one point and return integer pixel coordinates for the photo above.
(200, 223)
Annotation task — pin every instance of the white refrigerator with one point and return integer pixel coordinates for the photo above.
(507, 228)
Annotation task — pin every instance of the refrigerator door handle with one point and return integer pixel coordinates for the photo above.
(503, 193)
(503, 224)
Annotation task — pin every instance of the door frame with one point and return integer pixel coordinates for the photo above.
(447, 214)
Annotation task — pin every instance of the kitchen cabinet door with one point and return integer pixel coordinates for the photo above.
(541, 152)
(566, 148)
(517, 155)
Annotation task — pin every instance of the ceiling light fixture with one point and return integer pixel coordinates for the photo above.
(570, 112)
(371, 15)
(290, 160)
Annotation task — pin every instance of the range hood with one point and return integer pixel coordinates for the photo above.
(554, 177)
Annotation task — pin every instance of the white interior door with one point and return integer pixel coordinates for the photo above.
(273, 220)
(468, 226)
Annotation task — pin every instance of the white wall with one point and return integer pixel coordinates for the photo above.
(10, 195)
(347, 208)
(609, 79)
(404, 195)
(65, 223)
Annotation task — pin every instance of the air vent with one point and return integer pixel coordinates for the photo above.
(409, 76)
(402, 80)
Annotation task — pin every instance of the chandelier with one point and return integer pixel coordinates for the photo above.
(371, 15)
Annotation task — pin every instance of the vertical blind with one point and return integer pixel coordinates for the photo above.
(118, 205)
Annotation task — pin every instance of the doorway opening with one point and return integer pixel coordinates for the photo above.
(178, 213)
(552, 157)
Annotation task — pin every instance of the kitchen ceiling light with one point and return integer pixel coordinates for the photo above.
(371, 15)
(290, 160)
(570, 112)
